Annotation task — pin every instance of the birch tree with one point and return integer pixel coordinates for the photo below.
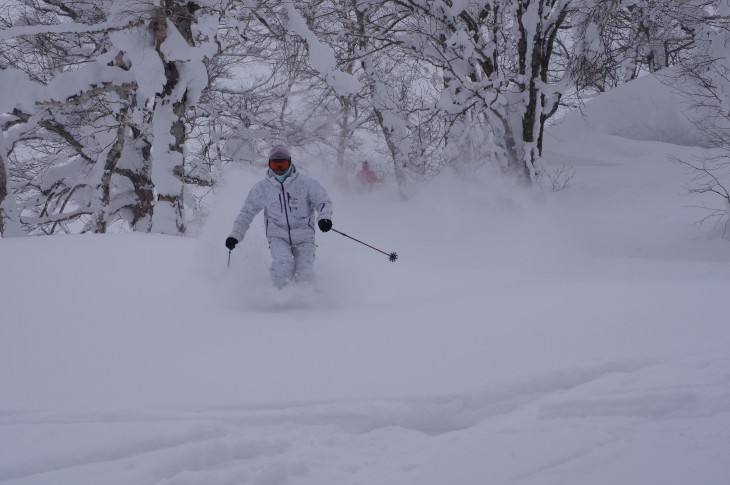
(57, 70)
(617, 41)
(103, 91)
(376, 91)
(493, 58)
(400, 94)
(9, 220)
(167, 56)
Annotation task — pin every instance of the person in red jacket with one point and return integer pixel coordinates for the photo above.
(366, 177)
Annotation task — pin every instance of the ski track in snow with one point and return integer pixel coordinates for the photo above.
(575, 339)
(306, 443)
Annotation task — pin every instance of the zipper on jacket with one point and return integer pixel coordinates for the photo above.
(286, 212)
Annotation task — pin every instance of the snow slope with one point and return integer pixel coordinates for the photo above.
(578, 337)
(647, 109)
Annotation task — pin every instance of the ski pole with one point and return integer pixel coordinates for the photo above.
(391, 256)
(229, 258)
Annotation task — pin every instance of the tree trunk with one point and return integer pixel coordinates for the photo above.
(9, 220)
(399, 162)
(112, 158)
(534, 62)
(341, 172)
(167, 168)
(168, 154)
(399, 158)
(3, 195)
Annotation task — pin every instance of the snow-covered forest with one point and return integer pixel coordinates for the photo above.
(123, 115)
(553, 175)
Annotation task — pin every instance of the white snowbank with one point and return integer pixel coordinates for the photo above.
(646, 109)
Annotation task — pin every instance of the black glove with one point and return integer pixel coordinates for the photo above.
(325, 225)
(231, 243)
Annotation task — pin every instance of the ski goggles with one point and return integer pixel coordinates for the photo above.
(280, 165)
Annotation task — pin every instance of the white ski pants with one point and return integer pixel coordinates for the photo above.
(291, 261)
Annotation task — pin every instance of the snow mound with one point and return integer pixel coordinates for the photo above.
(645, 109)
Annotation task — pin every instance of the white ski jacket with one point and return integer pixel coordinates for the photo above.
(288, 207)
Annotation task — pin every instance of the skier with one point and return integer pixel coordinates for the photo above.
(366, 177)
(289, 200)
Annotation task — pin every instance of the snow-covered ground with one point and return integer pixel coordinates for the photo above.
(579, 337)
